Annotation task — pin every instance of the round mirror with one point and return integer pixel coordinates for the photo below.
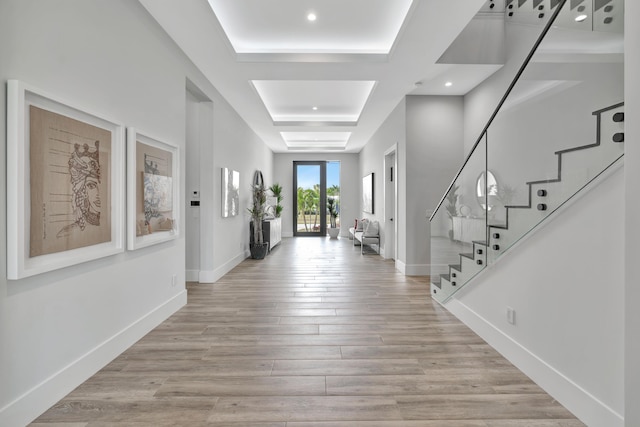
(486, 190)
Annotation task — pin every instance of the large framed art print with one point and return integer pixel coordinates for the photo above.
(65, 183)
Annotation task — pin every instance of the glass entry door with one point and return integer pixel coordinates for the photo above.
(309, 204)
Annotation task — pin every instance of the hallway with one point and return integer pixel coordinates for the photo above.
(314, 335)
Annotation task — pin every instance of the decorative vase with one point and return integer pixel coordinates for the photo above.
(334, 232)
(259, 250)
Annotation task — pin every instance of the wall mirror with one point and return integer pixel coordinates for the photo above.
(486, 190)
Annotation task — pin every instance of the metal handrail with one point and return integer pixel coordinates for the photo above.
(524, 65)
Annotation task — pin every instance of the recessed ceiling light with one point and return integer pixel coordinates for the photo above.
(581, 18)
(314, 108)
(448, 84)
(311, 17)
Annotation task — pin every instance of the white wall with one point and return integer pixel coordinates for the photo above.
(391, 132)
(350, 183)
(111, 58)
(632, 207)
(237, 147)
(565, 283)
(434, 151)
(428, 131)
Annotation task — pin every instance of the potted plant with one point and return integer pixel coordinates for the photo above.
(452, 206)
(332, 209)
(258, 211)
(276, 191)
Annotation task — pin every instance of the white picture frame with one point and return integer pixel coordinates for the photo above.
(150, 186)
(230, 192)
(368, 193)
(33, 245)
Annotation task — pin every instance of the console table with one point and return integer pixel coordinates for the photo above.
(468, 229)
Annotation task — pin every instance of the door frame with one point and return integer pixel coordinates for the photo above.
(391, 217)
(323, 198)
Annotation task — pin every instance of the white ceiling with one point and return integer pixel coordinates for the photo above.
(354, 63)
(319, 101)
(281, 26)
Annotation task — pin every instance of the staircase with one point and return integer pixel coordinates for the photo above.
(576, 168)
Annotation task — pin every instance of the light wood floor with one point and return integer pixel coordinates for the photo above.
(314, 335)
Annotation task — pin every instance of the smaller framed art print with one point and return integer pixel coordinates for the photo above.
(230, 192)
(153, 190)
(65, 189)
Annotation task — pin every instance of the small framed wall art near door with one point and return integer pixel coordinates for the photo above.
(367, 193)
(153, 190)
(65, 183)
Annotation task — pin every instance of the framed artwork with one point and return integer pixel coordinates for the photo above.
(153, 190)
(367, 193)
(65, 187)
(230, 192)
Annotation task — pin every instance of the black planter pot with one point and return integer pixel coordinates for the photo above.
(259, 250)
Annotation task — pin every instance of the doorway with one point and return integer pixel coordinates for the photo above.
(309, 199)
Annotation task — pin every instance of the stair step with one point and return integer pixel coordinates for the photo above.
(446, 277)
(481, 242)
(467, 255)
(457, 267)
(437, 284)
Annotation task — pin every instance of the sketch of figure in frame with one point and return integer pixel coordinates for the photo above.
(84, 170)
(69, 183)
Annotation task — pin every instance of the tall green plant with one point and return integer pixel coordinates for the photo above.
(276, 191)
(452, 202)
(258, 211)
(452, 206)
(332, 208)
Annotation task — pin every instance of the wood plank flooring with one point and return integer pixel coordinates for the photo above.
(316, 334)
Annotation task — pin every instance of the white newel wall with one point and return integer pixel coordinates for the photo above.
(435, 140)
(632, 207)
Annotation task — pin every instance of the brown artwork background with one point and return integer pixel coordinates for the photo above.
(70, 183)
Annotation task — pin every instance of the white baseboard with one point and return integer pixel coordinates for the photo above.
(34, 402)
(287, 234)
(192, 275)
(416, 270)
(212, 276)
(582, 404)
(412, 269)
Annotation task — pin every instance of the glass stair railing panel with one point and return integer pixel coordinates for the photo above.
(559, 128)
(459, 230)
